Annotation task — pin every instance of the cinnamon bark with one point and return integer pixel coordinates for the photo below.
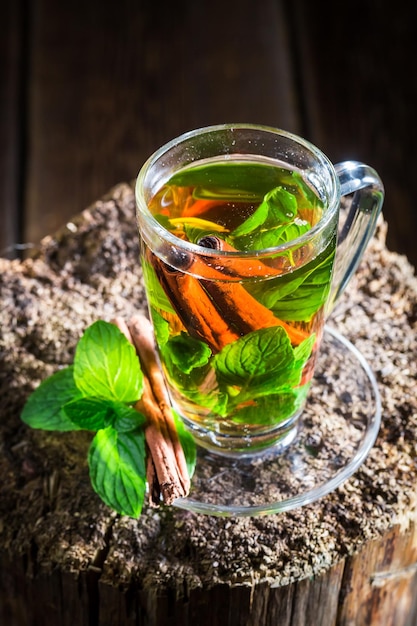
(143, 338)
(242, 267)
(244, 311)
(217, 312)
(197, 312)
(172, 484)
(167, 473)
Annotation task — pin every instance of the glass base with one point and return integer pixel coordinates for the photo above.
(244, 447)
(338, 427)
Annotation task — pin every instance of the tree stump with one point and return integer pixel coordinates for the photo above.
(348, 559)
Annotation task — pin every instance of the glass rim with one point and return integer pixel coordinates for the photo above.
(196, 249)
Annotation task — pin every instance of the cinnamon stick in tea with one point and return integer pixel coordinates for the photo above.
(245, 312)
(197, 312)
(241, 268)
(215, 311)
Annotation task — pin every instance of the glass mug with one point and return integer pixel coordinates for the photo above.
(243, 258)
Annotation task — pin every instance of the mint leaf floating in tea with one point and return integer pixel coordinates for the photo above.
(232, 180)
(272, 409)
(301, 293)
(257, 308)
(274, 222)
(188, 353)
(156, 296)
(109, 393)
(262, 373)
(278, 207)
(259, 359)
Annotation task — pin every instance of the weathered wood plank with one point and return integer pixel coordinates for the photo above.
(380, 582)
(356, 74)
(110, 82)
(11, 122)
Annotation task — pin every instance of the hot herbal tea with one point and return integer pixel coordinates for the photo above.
(238, 336)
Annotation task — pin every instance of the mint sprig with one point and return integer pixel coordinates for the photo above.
(45, 406)
(257, 378)
(273, 223)
(97, 393)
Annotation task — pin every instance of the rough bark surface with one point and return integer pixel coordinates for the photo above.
(348, 559)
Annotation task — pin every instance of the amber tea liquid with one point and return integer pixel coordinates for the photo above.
(238, 328)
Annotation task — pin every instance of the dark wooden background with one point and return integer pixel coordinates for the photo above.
(88, 89)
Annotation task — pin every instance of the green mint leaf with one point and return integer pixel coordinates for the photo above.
(259, 364)
(90, 413)
(126, 418)
(255, 358)
(252, 223)
(199, 385)
(160, 326)
(187, 443)
(272, 409)
(274, 222)
(106, 365)
(95, 413)
(215, 400)
(282, 206)
(117, 469)
(271, 292)
(278, 208)
(270, 237)
(43, 408)
(303, 351)
(155, 294)
(263, 239)
(188, 353)
(299, 295)
(234, 181)
(303, 303)
(163, 220)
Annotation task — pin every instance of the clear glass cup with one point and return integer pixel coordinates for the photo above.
(244, 255)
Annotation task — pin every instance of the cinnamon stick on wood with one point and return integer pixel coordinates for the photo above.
(143, 339)
(167, 472)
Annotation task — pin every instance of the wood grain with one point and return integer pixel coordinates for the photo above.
(111, 82)
(90, 90)
(355, 71)
(11, 123)
(379, 583)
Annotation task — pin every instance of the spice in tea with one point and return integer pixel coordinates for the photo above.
(237, 337)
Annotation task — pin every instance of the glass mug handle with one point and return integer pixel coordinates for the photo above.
(367, 190)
